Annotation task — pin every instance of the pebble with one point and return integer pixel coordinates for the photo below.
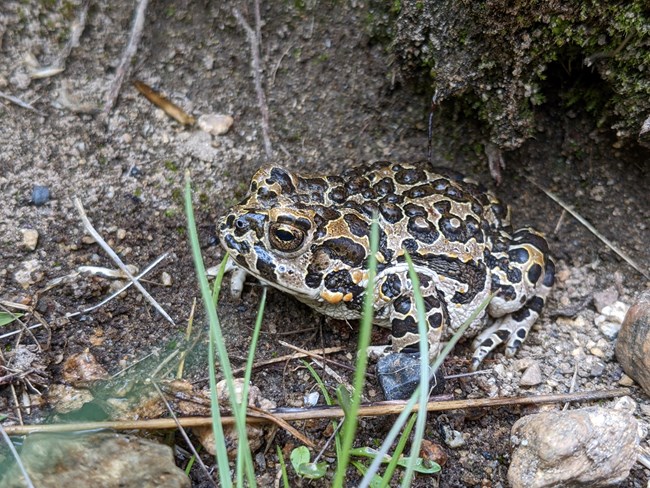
(40, 195)
(616, 311)
(604, 298)
(100, 459)
(83, 367)
(532, 376)
(453, 438)
(591, 446)
(166, 279)
(29, 273)
(30, 238)
(121, 234)
(634, 342)
(215, 124)
(626, 380)
(432, 451)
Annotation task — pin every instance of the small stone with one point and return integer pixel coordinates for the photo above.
(633, 344)
(29, 273)
(604, 298)
(532, 376)
(215, 124)
(609, 329)
(587, 447)
(626, 380)
(616, 311)
(432, 451)
(121, 234)
(596, 351)
(30, 238)
(453, 438)
(166, 279)
(88, 239)
(83, 367)
(40, 195)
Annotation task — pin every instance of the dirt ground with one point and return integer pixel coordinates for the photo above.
(335, 99)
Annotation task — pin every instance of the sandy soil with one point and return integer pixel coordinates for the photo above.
(335, 99)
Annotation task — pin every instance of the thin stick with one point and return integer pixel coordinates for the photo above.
(127, 55)
(287, 357)
(20, 103)
(318, 357)
(204, 468)
(280, 422)
(254, 42)
(592, 229)
(367, 410)
(116, 259)
(118, 292)
(19, 462)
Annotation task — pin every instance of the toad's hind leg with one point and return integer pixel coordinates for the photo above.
(522, 278)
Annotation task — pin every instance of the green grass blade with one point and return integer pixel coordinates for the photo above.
(328, 401)
(217, 343)
(350, 422)
(423, 394)
(283, 467)
(399, 449)
(401, 419)
(247, 376)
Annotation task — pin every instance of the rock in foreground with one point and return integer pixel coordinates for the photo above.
(633, 346)
(106, 460)
(590, 447)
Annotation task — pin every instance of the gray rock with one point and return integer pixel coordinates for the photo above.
(633, 345)
(604, 298)
(590, 447)
(101, 460)
(40, 195)
(532, 376)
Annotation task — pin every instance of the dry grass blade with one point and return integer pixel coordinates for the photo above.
(169, 107)
(283, 424)
(116, 259)
(184, 434)
(14, 453)
(20, 103)
(118, 292)
(367, 410)
(593, 230)
(288, 357)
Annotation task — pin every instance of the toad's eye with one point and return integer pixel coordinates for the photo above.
(286, 237)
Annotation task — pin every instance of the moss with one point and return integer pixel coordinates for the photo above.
(496, 56)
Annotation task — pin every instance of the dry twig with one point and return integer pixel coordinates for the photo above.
(127, 55)
(116, 259)
(256, 68)
(367, 410)
(287, 357)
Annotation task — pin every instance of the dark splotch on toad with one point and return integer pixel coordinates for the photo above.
(309, 236)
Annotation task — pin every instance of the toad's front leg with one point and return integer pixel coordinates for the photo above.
(399, 371)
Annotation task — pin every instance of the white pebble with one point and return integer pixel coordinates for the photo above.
(215, 124)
